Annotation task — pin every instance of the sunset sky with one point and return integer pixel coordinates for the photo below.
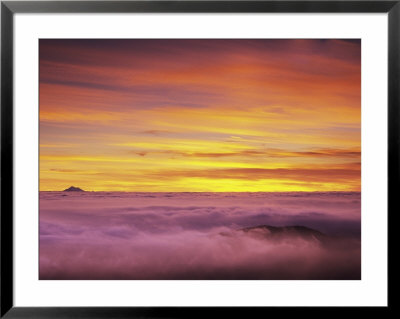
(200, 115)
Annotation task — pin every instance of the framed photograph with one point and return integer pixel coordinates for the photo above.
(195, 158)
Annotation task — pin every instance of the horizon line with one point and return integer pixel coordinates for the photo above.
(122, 191)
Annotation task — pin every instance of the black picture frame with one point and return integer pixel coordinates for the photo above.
(9, 8)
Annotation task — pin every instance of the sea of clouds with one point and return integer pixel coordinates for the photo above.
(102, 235)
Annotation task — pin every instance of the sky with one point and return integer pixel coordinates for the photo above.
(205, 115)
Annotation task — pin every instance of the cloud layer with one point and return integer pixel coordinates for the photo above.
(195, 236)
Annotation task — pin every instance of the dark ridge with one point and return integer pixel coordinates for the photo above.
(73, 189)
(274, 232)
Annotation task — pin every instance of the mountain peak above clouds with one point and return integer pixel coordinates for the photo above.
(73, 189)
